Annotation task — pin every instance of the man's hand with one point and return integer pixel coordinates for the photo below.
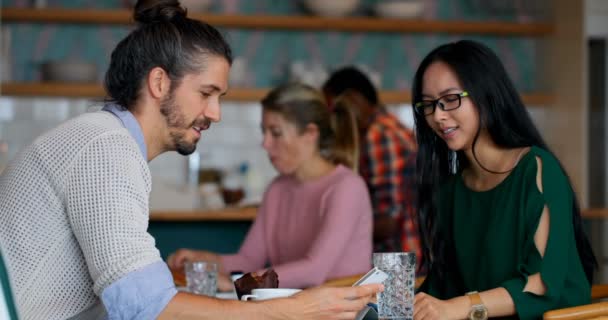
(326, 303)
(177, 259)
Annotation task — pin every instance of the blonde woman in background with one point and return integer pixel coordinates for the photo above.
(315, 220)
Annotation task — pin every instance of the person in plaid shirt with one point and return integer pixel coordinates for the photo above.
(387, 162)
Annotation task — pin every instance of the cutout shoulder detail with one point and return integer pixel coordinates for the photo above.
(539, 174)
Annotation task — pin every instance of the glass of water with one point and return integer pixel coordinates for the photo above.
(201, 277)
(396, 302)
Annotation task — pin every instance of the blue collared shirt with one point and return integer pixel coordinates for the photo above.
(141, 294)
(144, 293)
(130, 123)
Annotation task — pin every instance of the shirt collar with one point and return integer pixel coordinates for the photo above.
(130, 123)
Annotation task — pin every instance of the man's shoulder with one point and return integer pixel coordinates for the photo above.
(390, 128)
(96, 121)
(387, 122)
(61, 144)
(83, 128)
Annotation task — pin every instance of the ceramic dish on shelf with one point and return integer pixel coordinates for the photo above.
(333, 8)
(68, 71)
(399, 9)
(193, 6)
(196, 5)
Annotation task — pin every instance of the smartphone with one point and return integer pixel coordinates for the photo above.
(368, 313)
(375, 275)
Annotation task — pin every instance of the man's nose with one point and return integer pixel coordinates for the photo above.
(213, 111)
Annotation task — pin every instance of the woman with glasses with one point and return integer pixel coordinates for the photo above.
(501, 226)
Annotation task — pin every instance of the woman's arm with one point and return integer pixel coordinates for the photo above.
(251, 256)
(498, 301)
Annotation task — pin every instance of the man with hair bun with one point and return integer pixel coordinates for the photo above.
(74, 204)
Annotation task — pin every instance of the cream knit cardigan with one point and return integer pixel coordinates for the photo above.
(74, 216)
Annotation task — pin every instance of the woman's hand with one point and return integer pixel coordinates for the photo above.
(325, 303)
(224, 282)
(177, 259)
(427, 307)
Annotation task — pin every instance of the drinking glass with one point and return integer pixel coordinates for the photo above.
(201, 277)
(396, 302)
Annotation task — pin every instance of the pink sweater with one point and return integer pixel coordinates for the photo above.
(310, 232)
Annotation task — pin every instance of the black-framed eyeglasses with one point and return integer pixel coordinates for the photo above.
(446, 103)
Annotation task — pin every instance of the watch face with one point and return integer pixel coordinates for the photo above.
(479, 313)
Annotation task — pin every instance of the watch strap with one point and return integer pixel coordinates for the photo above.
(475, 298)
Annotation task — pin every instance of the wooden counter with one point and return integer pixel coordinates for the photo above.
(224, 230)
(227, 214)
(249, 213)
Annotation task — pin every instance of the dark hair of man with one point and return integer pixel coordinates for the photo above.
(351, 78)
(165, 37)
(502, 113)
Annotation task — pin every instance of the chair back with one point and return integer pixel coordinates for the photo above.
(592, 311)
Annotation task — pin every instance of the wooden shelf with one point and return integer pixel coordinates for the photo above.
(350, 24)
(595, 213)
(51, 89)
(72, 90)
(93, 90)
(228, 214)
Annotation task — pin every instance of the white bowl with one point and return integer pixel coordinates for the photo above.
(196, 5)
(332, 8)
(193, 6)
(403, 9)
(69, 71)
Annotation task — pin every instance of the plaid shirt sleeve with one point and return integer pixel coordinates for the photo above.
(390, 157)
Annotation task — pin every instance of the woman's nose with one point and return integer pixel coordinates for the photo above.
(265, 142)
(439, 113)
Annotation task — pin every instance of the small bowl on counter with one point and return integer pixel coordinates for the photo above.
(331, 8)
(68, 71)
(399, 9)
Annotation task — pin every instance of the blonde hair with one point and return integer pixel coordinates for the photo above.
(303, 105)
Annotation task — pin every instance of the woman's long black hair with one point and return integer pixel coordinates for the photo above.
(503, 114)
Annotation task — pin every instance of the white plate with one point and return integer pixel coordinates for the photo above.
(220, 295)
(227, 295)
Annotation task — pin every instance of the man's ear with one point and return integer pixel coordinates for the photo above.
(158, 83)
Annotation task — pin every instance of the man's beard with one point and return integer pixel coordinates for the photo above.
(176, 122)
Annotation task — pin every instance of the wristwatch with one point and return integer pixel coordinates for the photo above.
(478, 309)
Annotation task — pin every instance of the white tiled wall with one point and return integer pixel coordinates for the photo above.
(236, 139)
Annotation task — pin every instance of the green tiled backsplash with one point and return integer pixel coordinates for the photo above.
(269, 53)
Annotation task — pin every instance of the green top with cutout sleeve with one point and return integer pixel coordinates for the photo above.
(491, 235)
